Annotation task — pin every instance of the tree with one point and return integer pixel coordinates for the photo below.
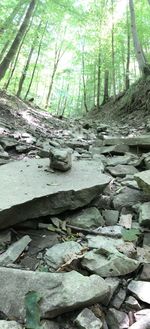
(143, 65)
(15, 45)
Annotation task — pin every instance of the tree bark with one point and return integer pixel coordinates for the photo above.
(113, 54)
(35, 65)
(98, 78)
(128, 54)
(16, 60)
(106, 85)
(84, 82)
(143, 66)
(15, 45)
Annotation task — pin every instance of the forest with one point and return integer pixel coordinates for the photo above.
(72, 56)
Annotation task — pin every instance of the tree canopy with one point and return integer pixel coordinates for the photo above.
(72, 55)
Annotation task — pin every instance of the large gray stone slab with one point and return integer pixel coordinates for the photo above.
(142, 141)
(60, 292)
(144, 214)
(29, 190)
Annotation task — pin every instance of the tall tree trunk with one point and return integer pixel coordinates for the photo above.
(23, 76)
(65, 100)
(143, 66)
(84, 81)
(35, 65)
(58, 55)
(15, 45)
(98, 78)
(128, 54)
(10, 18)
(149, 2)
(113, 54)
(24, 73)
(16, 60)
(106, 87)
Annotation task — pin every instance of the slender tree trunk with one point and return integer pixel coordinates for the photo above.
(58, 56)
(143, 66)
(98, 78)
(128, 54)
(23, 76)
(36, 62)
(149, 2)
(106, 87)
(84, 82)
(65, 100)
(15, 45)
(10, 18)
(113, 54)
(94, 89)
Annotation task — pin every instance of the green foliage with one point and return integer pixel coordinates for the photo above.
(70, 26)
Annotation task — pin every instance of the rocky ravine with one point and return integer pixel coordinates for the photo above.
(74, 220)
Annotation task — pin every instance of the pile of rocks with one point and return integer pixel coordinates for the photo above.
(75, 225)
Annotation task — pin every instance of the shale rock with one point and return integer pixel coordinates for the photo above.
(141, 290)
(60, 159)
(28, 190)
(87, 320)
(10, 325)
(144, 214)
(61, 253)
(60, 292)
(87, 218)
(143, 180)
(117, 320)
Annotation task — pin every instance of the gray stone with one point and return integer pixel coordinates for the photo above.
(60, 159)
(127, 159)
(46, 324)
(110, 231)
(128, 198)
(60, 292)
(29, 190)
(143, 180)
(146, 240)
(141, 290)
(116, 319)
(141, 141)
(87, 320)
(145, 274)
(107, 264)
(14, 251)
(8, 142)
(147, 162)
(102, 242)
(10, 325)
(113, 283)
(102, 127)
(126, 220)
(114, 150)
(132, 303)
(119, 299)
(87, 218)
(61, 253)
(144, 214)
(122, 170)
(110, 216)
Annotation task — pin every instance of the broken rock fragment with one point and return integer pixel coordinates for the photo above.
(61, 253)
(116, 319)
(87, 320)
(141, 290)
(87, 218)
(60, 159)
(143, 180)
(10, 325)
(14, 251)
(59, 292)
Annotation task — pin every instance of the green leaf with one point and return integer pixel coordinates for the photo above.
(32, 299)
(131, 234)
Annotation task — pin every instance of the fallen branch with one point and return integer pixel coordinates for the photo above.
(94, 232)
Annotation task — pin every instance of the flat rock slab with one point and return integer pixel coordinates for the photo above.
(141, 290)
(142, 141)
(122, 170)
(60, 292)
(29, 190)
